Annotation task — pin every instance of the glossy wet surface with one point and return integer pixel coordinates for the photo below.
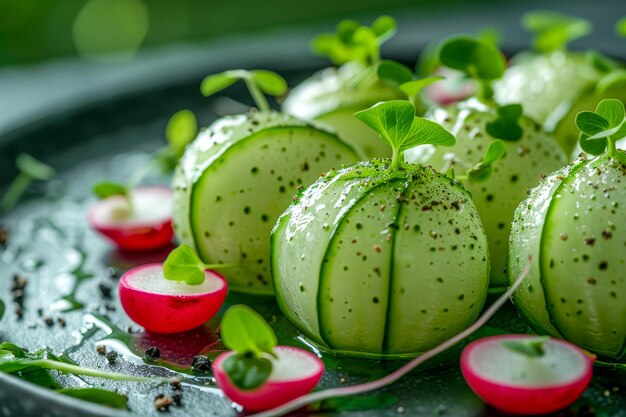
(72, 276)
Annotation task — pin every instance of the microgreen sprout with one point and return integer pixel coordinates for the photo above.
(553, 30)
(602, 128)
(506, 125)
(259, 82)
(354, 42)
(248, 334)
(532, 347)
(620, 27)
(483, 170)
(183, 264)
(478, 58)
(397, 125)
(30, 169)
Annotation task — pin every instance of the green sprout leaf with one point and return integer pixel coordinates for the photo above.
(397, 125)
(98, 396)
(182, 264)
(257, 81)
(393, 73)
(613, 81)
(506, 126)
(483, 170)
(599, 61)
(532, 347)
(105, 189)
(553, 30)
(181, 129)
(244, 330)
(415, 87)
(620, 27)
(602, 128)
(247, 371)
(477, 58)
(35, 169)
(353, 42)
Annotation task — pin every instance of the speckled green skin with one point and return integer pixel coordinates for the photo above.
(333, 95)
(382, 262)
(553, 88)
(236, 179)
(574, 227)
(496, 199)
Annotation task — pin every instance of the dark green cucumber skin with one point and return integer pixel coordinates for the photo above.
(573, 225)
(333, 95)
(378, 261)
(237, 178)
(496, 199)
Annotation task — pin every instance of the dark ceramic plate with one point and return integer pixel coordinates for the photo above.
(70, 271)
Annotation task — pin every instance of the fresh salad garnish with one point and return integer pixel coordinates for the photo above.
(526, 375)
(258, 374)
(259, 83)
(553, 30)
(30, 169)
(601, 129)
(183, 293)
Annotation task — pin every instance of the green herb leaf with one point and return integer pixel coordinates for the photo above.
(532, 347)
(483, 170)
(613, 81)
(396, 123)
(393, 73)
(217, 82)
(247, 371)
(477, 58)
(105, 189)
(98, 396)
(553, 30)
(384, 28)
(181, 129)
(34, 168)
(269, 82)
(415, 87)
(183, 264)
(620, 27)
(506, 126)
(599, 61)
(602, 128)
(354, 42)
(244, 330)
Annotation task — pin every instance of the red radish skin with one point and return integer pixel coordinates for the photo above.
(135, 234)
(521, 399)
(170, 313)
(274, 392)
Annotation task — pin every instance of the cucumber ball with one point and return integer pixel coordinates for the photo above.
(382, 261)
(521, 168)
(235, 180)
(573, 226)
(333, 95)
(553, 87)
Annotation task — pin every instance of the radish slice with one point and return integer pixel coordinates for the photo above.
(294, 373)
(164, 306)
(520, 384)
(146, 227)
(455, 87)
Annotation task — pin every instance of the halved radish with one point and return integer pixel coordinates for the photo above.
(141, 222)
(520, 384)
(164, 306)
(455, 87)
(294, 373)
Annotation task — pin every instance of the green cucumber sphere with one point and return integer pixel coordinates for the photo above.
(235, 180)
(553, 87)
(381, 261)
(333, 95)
(496, 198)
(574, 227)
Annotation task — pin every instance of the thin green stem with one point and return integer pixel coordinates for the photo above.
(485, 91)
(397, 159)
(15, 191)
(612, 147)
(257, 95)
(79, 370)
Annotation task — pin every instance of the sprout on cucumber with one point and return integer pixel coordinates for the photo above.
(553, 30)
